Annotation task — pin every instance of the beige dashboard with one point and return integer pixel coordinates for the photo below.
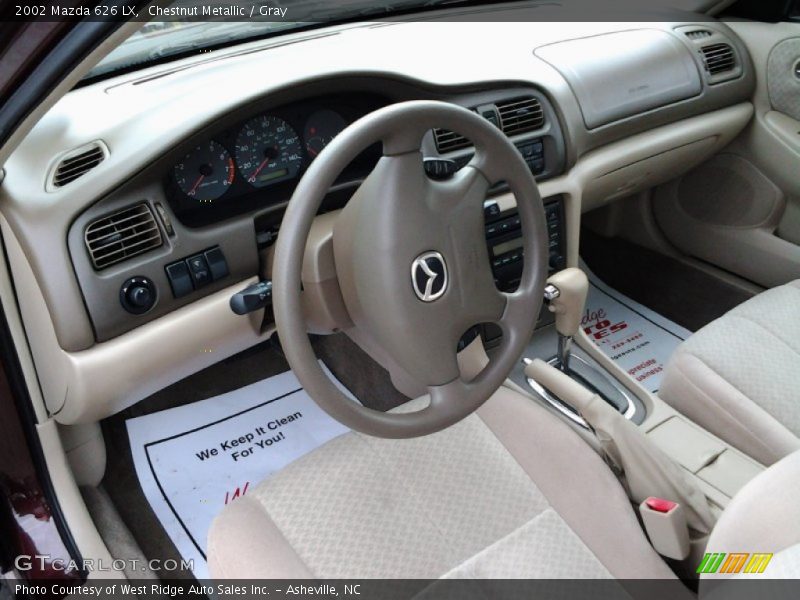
(142, 118)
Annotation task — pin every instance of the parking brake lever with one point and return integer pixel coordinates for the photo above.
(647, 470)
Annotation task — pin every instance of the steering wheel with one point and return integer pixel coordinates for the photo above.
(412, 264)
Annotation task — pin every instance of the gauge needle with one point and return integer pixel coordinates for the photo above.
(196, 185)
(258, 170)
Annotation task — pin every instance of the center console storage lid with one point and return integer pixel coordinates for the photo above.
(618, 75)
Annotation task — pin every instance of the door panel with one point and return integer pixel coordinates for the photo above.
(783, 77)
(741, 209)
(773, 141)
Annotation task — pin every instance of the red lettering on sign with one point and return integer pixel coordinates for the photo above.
(236, 493)
(604, 328)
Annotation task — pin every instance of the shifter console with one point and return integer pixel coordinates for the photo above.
(565, 294)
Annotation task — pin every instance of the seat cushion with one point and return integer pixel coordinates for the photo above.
(508, 492)
(763, 517)
(739, 376)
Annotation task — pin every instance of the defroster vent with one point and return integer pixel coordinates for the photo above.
(77, 163)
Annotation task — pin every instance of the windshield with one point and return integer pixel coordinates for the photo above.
(186, 27)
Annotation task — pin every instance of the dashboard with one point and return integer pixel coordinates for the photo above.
(206, 213)
(132, 263)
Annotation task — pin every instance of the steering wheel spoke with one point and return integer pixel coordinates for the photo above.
(468, 187)
(492, 165)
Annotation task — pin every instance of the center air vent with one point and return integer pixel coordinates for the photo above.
(520, 115)
(77, 163)
(122, 235)
(718, 58)
(447, 141)
(517, 115)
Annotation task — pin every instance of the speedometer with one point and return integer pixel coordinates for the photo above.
(268, 150)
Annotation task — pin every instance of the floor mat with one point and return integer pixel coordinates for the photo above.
(683, 293)
(639, 340)
(194, 459)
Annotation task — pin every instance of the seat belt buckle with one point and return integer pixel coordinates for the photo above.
(665, 524)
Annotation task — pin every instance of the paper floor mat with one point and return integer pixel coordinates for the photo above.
(193, 460)
(636, 338)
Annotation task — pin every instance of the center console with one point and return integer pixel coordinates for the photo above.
(504, 241)
(503, 232)
(585, 386)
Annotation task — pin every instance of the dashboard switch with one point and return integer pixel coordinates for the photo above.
(216, 263)
(179, 279)
(137, 295)
(198, 269)
(491, 209)
(440, 168)
(165, 220)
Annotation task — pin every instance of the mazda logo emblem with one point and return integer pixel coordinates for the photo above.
(429, 276)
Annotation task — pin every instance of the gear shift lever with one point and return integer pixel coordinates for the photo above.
(566, 295)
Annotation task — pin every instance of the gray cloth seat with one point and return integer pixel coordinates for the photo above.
(509, 492)
(739, 376)
(764, 517)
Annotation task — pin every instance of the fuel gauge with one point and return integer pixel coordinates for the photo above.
(321, 127)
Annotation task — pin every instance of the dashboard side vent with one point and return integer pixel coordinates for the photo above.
(447, 141)
(697, 34)
(122, 235)
(718, 58)
(520, 115)
(77, 163)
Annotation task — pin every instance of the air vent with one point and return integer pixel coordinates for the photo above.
(698, 34)
(447, 141)
(718, 58)
(78, 162)
(520, 115)
(122, 235)
(517, 115)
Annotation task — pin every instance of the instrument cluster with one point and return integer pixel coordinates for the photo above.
(257, 161)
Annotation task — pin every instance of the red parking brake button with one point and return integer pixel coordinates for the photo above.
(659, 504)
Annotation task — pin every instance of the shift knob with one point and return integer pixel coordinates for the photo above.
(568, 303)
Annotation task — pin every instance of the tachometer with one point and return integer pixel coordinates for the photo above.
(268, 150)
(321, 128)
(206, 172)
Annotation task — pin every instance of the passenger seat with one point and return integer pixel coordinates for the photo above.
(739, 376)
